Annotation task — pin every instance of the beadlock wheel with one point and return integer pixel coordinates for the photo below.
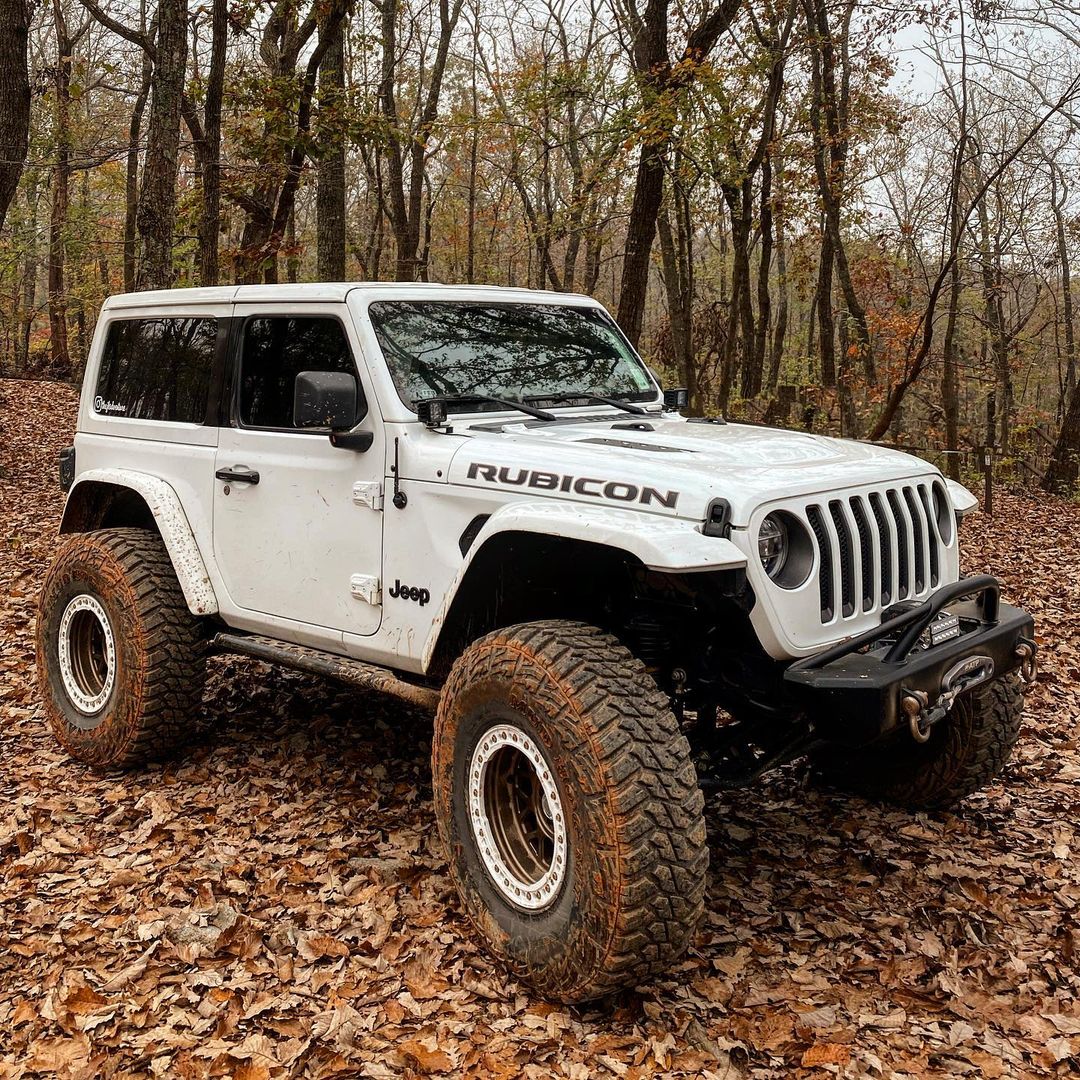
(121, 662)
(87, 654)
(517, 818)
(569, 808)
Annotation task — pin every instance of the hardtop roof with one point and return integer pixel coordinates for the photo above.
(326, 292)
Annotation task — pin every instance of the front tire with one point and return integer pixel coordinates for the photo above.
(121, 660)
(570, 809)
(967, 749)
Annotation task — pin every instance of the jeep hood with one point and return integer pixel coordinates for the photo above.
(666, 464)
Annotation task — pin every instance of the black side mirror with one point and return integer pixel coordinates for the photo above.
(676, 399)
(327, 399)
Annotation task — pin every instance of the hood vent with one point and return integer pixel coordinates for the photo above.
(626, 445)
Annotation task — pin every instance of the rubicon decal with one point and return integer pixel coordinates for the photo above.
(618, 490)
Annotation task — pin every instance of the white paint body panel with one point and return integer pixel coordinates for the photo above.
(300, 519)
(309, 553)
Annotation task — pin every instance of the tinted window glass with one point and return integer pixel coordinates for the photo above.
(276, 350)
(516, 351)
(157, 369)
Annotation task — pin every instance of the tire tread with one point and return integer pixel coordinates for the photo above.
(651, 784)
(172, 641)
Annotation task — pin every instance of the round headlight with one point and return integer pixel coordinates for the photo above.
(786, 549)
(773, 544)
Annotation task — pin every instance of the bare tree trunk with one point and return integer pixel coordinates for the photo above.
(131, 177)
(823, 303)
(1057, 182)
(28, 302)
(740, 328)
(210, 212)
(594, 248)
(644, 211)
(273, 196)
(330, 191)
(1061, 474)
(950, 376)
(406, 207)
(990, 265)
(649, 52)
(828, 120)
(679, 289)
(156, 214)
(292, 251)
(741, 267)
(849, 419)
(780, 330)
(474, 154)
(79, 348)
(14, 98)
(764, 311)
(950, 379)
(61, 196)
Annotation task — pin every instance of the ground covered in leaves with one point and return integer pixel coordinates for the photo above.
(276, 904)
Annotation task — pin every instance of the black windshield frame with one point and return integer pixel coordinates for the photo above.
(634, 382)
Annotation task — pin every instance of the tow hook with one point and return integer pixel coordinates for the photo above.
(915, 704)
(969, 672)
(1029, 664)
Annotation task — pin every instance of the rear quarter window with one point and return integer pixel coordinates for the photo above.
(157, 369)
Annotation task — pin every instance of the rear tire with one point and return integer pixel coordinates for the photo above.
(966, 750)
(121, 660)
(596, 880)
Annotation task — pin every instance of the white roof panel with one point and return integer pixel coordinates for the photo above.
(314, 292)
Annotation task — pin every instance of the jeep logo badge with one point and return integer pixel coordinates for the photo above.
(410, 592)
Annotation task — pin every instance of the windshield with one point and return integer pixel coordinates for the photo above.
(515, 351)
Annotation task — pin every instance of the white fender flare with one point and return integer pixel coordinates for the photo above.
(660, 543)
(962, 499)
(173, 525)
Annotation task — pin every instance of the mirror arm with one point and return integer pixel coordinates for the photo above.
(360, 441)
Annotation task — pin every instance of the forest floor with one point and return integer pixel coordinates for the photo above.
(276, 904)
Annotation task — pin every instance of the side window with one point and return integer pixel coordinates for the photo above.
(276, 349)
(157, 369)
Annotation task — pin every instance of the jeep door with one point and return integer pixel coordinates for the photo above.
(296, 550)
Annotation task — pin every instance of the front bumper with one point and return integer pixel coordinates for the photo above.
(865, 687)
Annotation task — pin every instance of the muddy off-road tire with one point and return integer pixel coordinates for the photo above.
(570, 809)
(121, 661)
(966, 751)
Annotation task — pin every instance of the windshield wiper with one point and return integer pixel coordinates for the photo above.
(481, 399)
(590, 399)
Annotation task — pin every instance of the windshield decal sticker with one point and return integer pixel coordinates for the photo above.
(617, 490)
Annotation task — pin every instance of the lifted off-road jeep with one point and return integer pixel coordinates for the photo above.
(481, 501)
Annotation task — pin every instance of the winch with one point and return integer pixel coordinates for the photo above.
(964, 675)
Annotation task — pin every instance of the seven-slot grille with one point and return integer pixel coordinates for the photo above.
(875, 549)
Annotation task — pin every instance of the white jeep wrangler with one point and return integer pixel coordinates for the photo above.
(480, 500)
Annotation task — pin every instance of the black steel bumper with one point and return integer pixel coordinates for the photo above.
(866, 687)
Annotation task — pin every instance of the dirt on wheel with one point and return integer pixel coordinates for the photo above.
(276, 904)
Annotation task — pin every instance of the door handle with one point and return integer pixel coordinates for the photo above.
(238, 474)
